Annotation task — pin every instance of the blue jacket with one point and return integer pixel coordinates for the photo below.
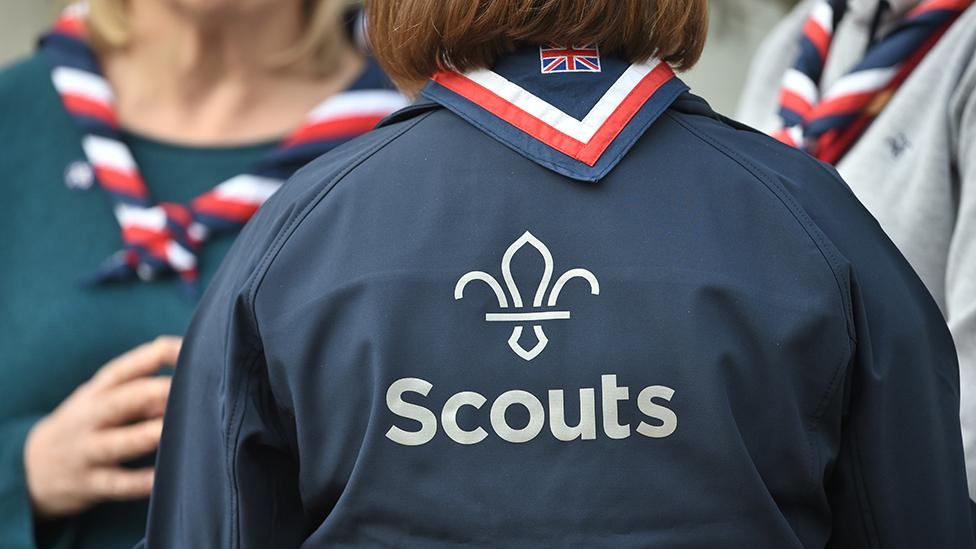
(548, 305)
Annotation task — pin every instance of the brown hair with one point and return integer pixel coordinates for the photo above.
(414, 38)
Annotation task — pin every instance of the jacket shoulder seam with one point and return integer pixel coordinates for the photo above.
(827, 251)
(830, 255)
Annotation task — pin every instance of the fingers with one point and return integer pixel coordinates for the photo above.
(139, 399)
(122, 444)
(119, 484)
(144, 360)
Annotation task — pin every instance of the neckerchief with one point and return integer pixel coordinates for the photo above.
(165, 237)
(571, 109)
(828, 122)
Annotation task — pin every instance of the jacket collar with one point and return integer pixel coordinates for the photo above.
(568, 109)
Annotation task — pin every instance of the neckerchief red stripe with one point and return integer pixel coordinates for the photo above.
(587, 152)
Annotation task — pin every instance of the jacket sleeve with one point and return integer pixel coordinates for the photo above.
(961, 264)
(224, 476)
(899, 476)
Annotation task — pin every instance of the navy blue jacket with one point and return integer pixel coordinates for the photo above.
(550, 306)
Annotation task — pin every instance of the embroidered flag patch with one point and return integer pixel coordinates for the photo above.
(557, 59)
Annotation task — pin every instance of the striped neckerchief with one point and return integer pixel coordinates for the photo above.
(162, 238)
(827, 122)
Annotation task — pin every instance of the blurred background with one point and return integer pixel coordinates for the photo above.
(736, 30)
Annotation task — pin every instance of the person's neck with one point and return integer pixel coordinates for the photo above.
(214, 80)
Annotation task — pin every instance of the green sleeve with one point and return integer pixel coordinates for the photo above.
(16, 517)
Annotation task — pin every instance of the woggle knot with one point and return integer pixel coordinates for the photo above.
(159, 241)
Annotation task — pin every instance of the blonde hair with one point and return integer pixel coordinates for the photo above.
(320, 47)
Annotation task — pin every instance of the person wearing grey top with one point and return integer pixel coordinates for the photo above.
(914, 167)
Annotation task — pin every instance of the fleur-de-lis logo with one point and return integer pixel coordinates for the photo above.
(535, 317)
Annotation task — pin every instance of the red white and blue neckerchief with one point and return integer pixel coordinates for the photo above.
(828, 122)
(577, 123)
(165, 237)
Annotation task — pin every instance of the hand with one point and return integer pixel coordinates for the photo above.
(72, 456)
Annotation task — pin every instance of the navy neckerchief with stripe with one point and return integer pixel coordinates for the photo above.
(579, 123)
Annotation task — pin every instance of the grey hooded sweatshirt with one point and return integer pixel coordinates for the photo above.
(914, 168)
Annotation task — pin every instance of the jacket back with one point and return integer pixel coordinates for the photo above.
(439, 335)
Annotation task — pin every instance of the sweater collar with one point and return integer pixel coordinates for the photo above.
(864, 10)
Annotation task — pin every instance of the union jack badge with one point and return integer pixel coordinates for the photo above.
(556, 59)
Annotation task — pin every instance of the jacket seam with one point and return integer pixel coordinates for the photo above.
(231, 442)
(802, 218)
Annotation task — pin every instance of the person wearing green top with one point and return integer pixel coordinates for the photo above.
(199, 97)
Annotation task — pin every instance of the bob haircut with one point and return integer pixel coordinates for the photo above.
(318, 49)
(412, 39)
